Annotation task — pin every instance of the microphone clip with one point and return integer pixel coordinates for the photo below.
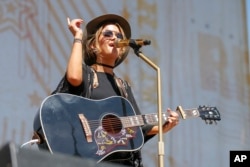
(138, 43)
(135, 46)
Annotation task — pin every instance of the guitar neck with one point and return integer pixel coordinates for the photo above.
(152, 119)
(140, 120)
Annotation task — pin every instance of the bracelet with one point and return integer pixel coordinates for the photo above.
(77, 40)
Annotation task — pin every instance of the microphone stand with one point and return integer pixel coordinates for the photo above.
(137, 51)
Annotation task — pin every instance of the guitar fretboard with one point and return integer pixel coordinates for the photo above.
(139, 120)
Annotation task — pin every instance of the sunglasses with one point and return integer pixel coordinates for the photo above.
(109, 34)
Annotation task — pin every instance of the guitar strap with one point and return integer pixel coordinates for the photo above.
(121, 86)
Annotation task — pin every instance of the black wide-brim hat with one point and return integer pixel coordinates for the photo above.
(97, 22)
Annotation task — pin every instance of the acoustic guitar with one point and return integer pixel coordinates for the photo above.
(98, 128)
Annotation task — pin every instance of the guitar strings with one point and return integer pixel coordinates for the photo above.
(118, 123)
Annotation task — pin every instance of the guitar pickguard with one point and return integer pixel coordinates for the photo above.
(106, 142)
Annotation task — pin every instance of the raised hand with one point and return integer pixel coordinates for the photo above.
(75, 26)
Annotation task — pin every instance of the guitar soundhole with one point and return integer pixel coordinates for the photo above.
(111, 124)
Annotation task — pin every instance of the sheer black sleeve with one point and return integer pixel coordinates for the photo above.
(65, 87)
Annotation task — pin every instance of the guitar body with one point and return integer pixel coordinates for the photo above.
(64, 131)
(98, 129)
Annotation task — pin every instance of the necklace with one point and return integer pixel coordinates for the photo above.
(105, 65)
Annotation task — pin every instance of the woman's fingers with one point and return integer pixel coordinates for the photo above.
(75, 25)
(68, 19)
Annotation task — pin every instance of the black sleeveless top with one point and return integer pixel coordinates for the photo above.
(106, 88)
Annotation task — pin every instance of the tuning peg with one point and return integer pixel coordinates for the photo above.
(207, 121)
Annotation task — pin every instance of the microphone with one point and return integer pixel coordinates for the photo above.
(131, 42)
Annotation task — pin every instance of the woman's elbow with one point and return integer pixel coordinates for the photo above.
(74, 80)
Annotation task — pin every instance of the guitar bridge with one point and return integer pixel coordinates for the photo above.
(86, 128)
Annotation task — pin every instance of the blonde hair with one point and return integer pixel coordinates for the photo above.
(90, 54)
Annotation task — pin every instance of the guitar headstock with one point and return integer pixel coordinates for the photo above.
(209, 114)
